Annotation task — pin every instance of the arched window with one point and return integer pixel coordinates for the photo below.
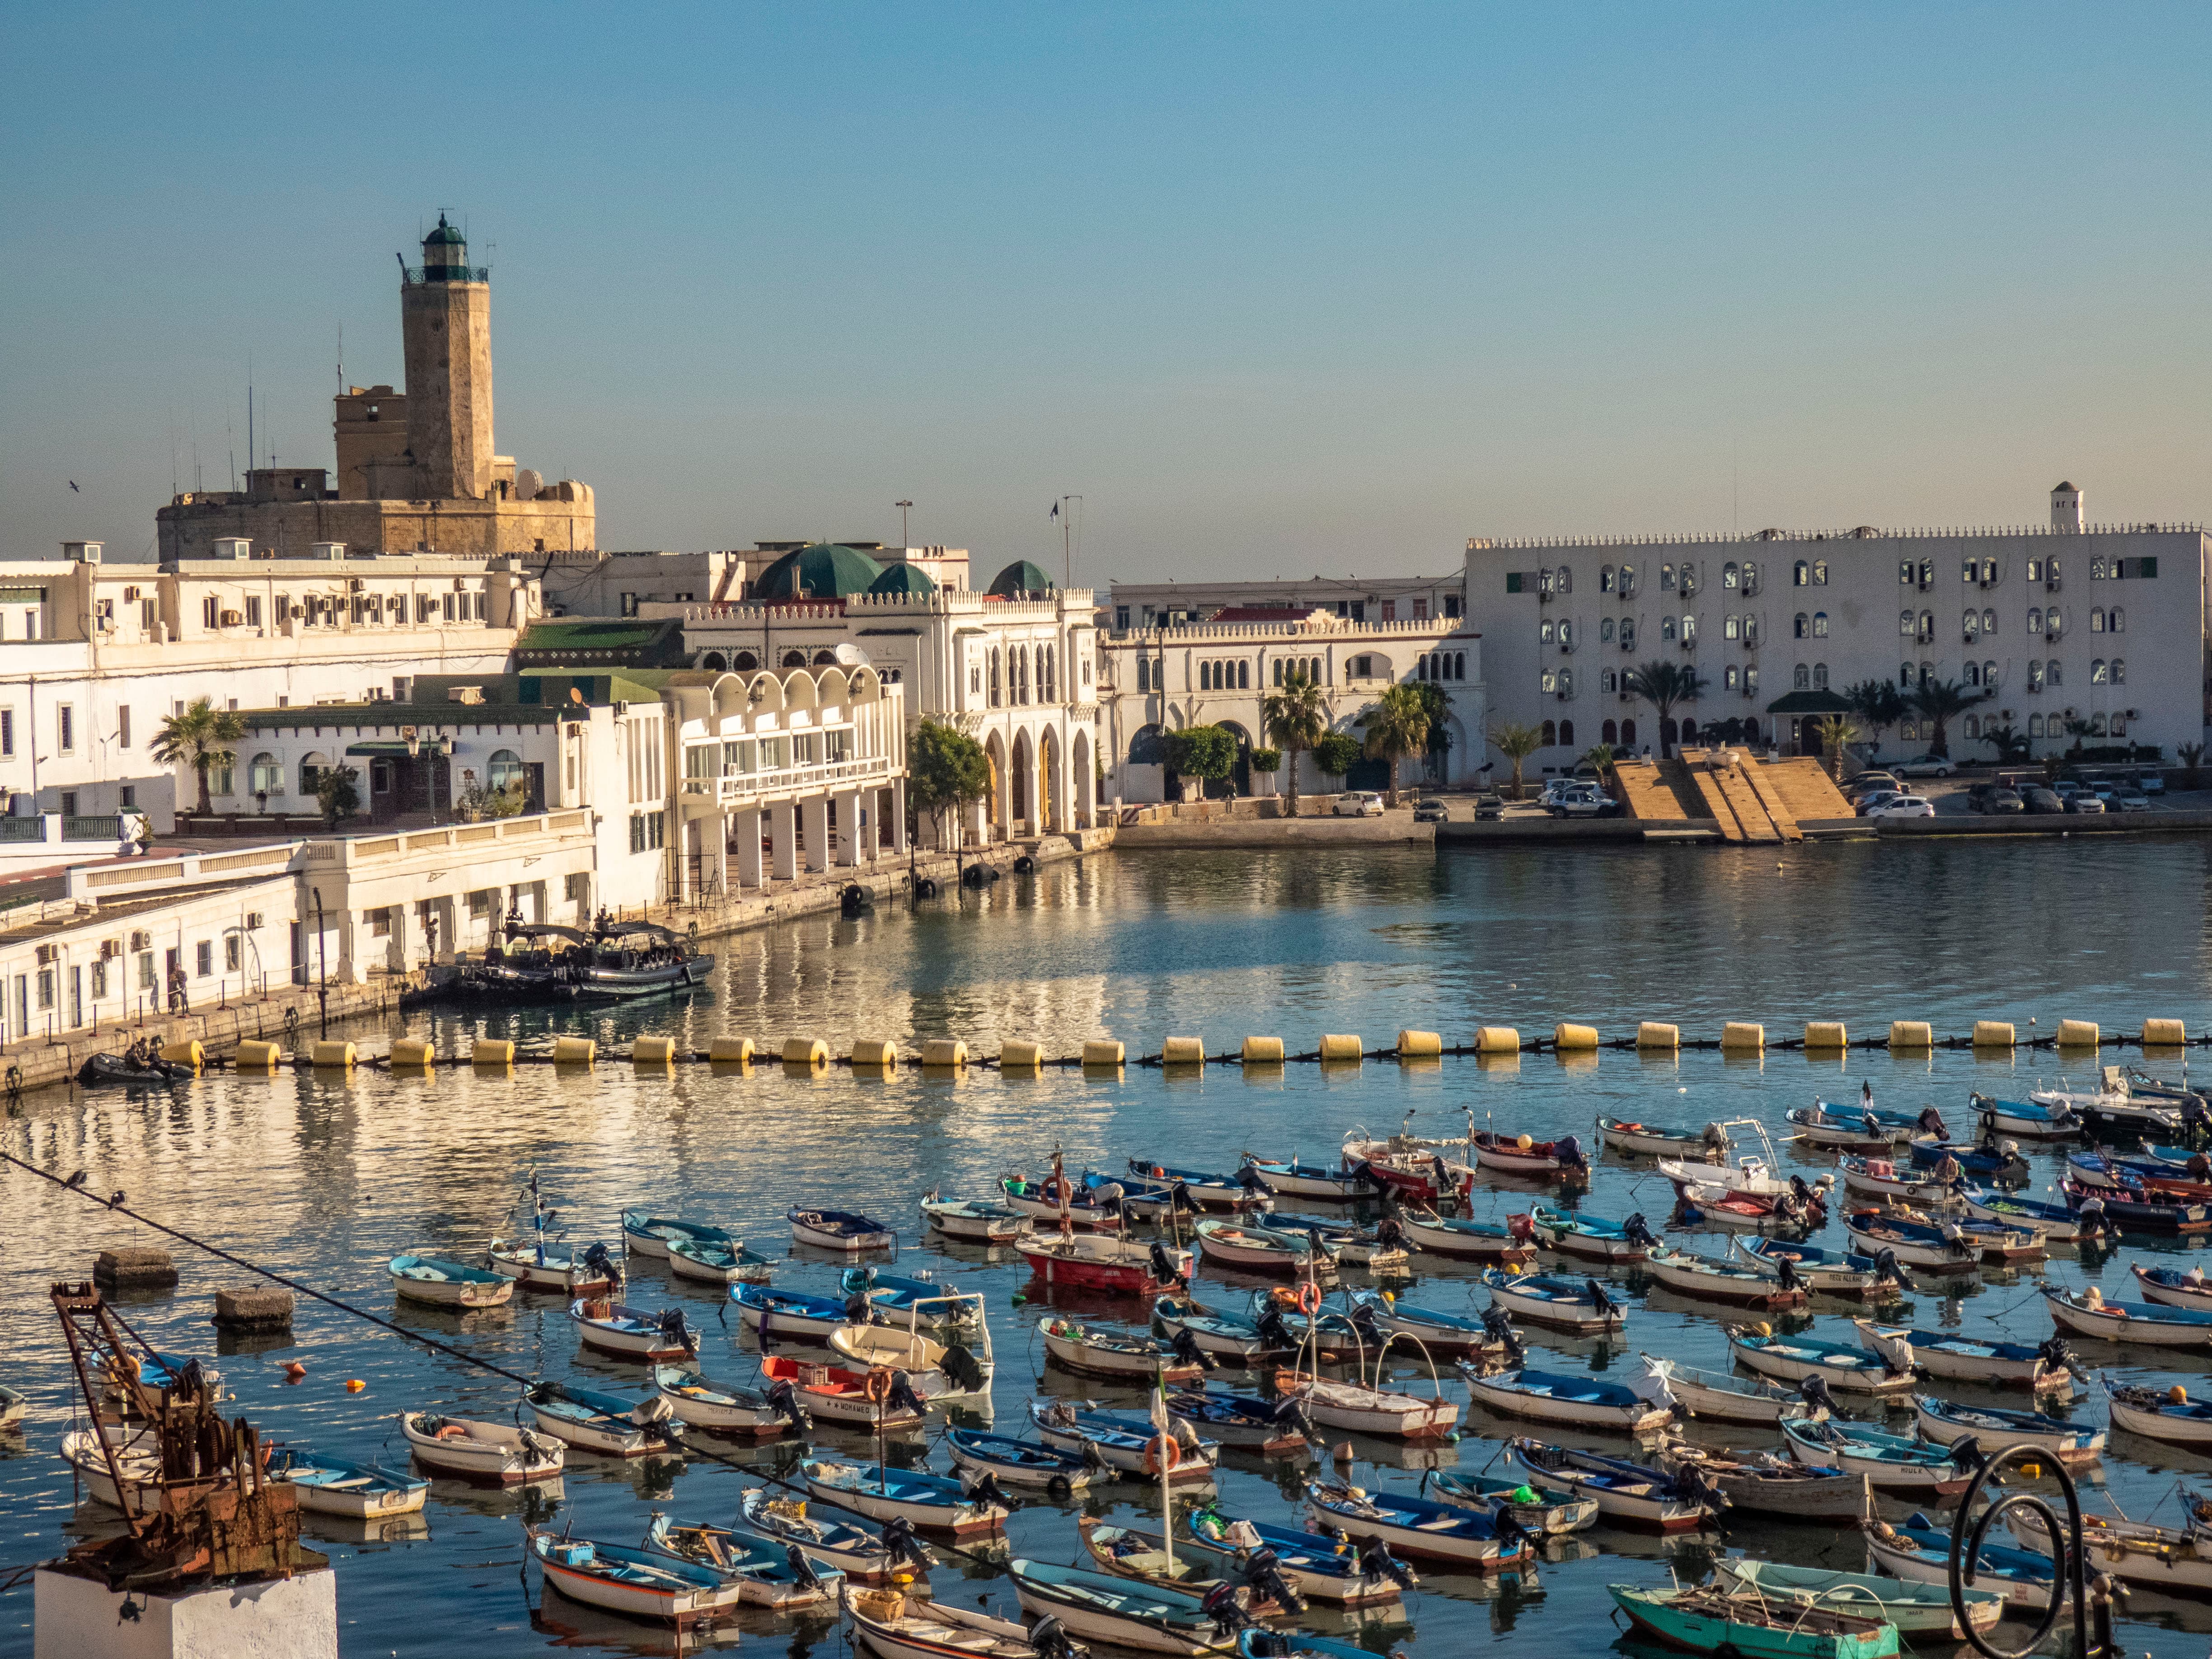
(1750, 577)
(1989, 675)
(1820, 624)
(994, 677)
(1728, 677)
(1244, 676)
(1800, 574)
(1628, 632)
(1605, 631)
(1905, 673)
(1689, 733)
(713, 662)
(1459, 664)
(504, 768)
(1605, 579)
(1666, 628)
(1973, 726)
(1820, 572)
(2119, 671)
(1628, 734)
(1803, 625)
(1820, 677)
(1665, 578)
(2096, 620)
(795, 660)
(2035, 674)
(1551, 735)
(1548, 632)
(1276, 671)
(1566, 580)
(1973, 673)
(1927, 625)
(2035, 725)
(1906, 625)
(1927, 673)
(265, 776)
(2035, 619)
(1731, 626)
(1731, 576)
(2097, 726)
(1144, 673)
(1973, 624)
(2053, 623)
(1989, 570)
(1609, 733)
(825, 660)
(2053, 674)
(745, 662)
(1566, 631)
(1627, 580)
(1689, 629)
(2115, 620)
(1689, 577)
(1989, 623)
(311, 772)
(1566, 734)
(1800, 678)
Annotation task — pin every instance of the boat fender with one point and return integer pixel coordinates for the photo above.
(453, 1431)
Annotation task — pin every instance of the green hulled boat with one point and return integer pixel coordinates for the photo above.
(1706, 1621)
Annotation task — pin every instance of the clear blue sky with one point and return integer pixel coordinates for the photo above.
(1282, 289)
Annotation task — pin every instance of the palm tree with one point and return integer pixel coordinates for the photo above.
(1877, 703)
(1836, 730)
(1296, 718)
(1516, 743)
(1939, 702)
(1397, 725)
(1663, 685)
(1600, 756)
(201, 737)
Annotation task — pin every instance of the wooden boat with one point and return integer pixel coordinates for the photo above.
(634, 1583)
(1263, 1250)
(1759, 1483)
(1861, 1131)
(1723, 1397)
(1891, 1463)
(1385, 1413)
(1380, 1250)
(1419, 1527)
(2168, 1415)
(1319, 1568)
(1130, 1553)
(1630, 1494)
(727, 1410)
(1126, 1613)
(1945, 1423)
(1023, 1463)
(1467, 1240)
(1571, 1234)
(1268, 1426)
(1916, 1610)
(2144, 1324)
(943, 1369)
(646, 1234)
(1707, 1621)
(836, 1395)
(1097, 1261)
(2174, 1560)
(2060, 1224)
(2135, 1208)
(1777, 1212)
(2025, 1120)
(1260, 1641)
(1552, 1397)
(1584, 1307)
(1525, 1156)
(1410, 1168)
(1997, 1159)
(768, 1573)
(898, 1626)
(138, 1460)
(1288, 1178)
(360, 1491)
(604, 1423)
(628, 1332)
(926, 1502)
(1102, 1354)
(975, 1221)
(1201, 1189)
(486, 1454)
(1657, 1140)
(1829, 1273)
(717, 1264)
(1794, 1358)
(852, 1550)
(839, 1230)
(441, 1283)
(1537, 1509)
(1438, 1332)
(1955, 1357)
(1122, 1440)
(1332, 1332)
(1920, 1553)
(534, 1267)
(1214, 1332)
(2113, 1109)
(1883, 1179)
(2172, 1287)
(1751, 1175)
(1082, 1207)
(1929, 1249)
(1688, 1273)
(795, 1315)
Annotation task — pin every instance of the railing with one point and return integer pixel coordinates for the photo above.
(22, 829)
(1861, 533)
(416, 275)
(743, 784)
(93, 829)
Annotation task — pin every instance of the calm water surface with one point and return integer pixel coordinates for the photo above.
(327, 1179)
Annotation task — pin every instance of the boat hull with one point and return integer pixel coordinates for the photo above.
(1547, 1409)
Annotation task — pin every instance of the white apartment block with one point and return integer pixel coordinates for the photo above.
(621, 584)
(2103, 626)
(1141, 606)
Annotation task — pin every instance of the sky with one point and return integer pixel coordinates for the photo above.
(1276, 290)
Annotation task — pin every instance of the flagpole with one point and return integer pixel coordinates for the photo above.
(1167, 1508)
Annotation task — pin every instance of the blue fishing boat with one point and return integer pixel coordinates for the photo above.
(647, 1234)
(767, 1572)
(1957, 1358)
(1120, 1439)
(1976, 1157)
(1419, 1527)
(1919, 1551)
(1319, 1568)
(1794, 1358)
(2030, 1118)
(636, 1583)
(1552, 1397)
(1128, 1612)
(717, 1264)
(1573, 1305)
(1024, 1462)
(1632, 1493)
(1825, 1271)
(1438, 1332)
(1570, 1232)
(926, 1297)
(1288, 1178)
(443, 1284)
(606, 1422)
(839, 1230)
(853, 1550)
(2059, 1224)
(929, 1503)
(1466, 1241)
(2167, 1414)
(1891, 1463)
(797, 1315)
(2147, 1324)
(1538, 1509)
(1241, 1420)
(1260, 1643)
(1944, 1422)
(359, 1491)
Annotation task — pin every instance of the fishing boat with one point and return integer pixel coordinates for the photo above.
(534, 1267)
(839, 1230)
(1891, 1463)
(1023, 1463)
(1217, 1333)
(768, 1573)
(439, 1283)
(1724, 1397)
(1860, 1130)
(2146, 1324)
(1990, 1157)
(1775, 1212)
(1263, 1250)
(1438, 1332)
(2043, 1367)
(1124, 1441)
(1330, 1332)
(852, 1550)
(1535, 1510)
(138, 1462)
(1945, 1423)
(646, 1234)
(1525, 1156)
(1361, 1408)
(1709, 1621)
(1553, 1397)
(1931, 1249)
(717, 1264)
(1466, 1241)
(1261, 1642)
(1412, 1167)
(1058, 1199)
(2135, 1208)
(1916, 1610)
(865, 1399)
(1131, 1552)
(2114, 1109)
(2174, 1560)
(1098, 1262)
(926, 1502)
(2167, 1415)
(1830, 1272)
(628, 1332)
(1794, 1358)
(1883, 1179)
(1919, 1552)
(1753, 1175)
(1759, 1483)
(1584, 1306)
(485, 1453)
(2172, 1287)
(1638, 1139)
(1571, 1234)
(1202, 1189)
(797, 1315)
(1288, 1178)
(361, 1491)
(723, 1409)
(626, 960)
(1380, 1250)
(2059, 1224)
(1271, 1427)
(893, 1626)
(1319, 1568)
(13, 1404)
(947, 1370)
(2004, 1244)
(2027, 1119)
(1628, 1493)
(1420, 1527)
(1128, 1612)
(604, 1423)
(1688, 1273)
(634, 1583)
(1092, 1352)
(973, 1221)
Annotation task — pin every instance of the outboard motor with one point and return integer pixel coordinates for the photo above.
(1375, 1561)
(785, 1399)
(2092, 1218)
(902, 1396)
(599, 1261)
(1050, 1639)
(1364, 1321)
(1638, 1231)
(1570, 1149)
(1803, 1194)
(1785, 1274)
(1498, 1325)
(1388, 1233)
(678, 1330)
(1888, 1269)
(1966, 1452)
(905, 1549)
(2053, 1352)
(962, 1367)
(1813, 1391)
(1606, 1306)
(1693, 1486)
(860, 1309)
(1222, 1605)
(1249, 1179)
(1268, 1321)
(1263, 1571)
(1094, 1459)
(1440, 1173)
(1163, 1265)
(1179, 1198)
(1931, 1122)
(801, 1568)
(1185, 1347)
(983, 1489)
(1506, 1528)
(1289, 1414)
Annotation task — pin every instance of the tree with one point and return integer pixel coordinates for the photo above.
(1939, 702)
(1600, 756)
(1397, 725)
(946, 769)
(1516, 743)
(1664, 685)
(1335, 754)
(337, 792)
(1207, 753)
(1264, 761)
(2191, 755)
(1295, 720)
(1836, 730)
(1877, 703)
(202, 737)
(2013, 748)
(1434, 699)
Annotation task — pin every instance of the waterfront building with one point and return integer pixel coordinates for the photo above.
(1216, 671)
(416, 468)
(588, 584)
(2064, 631)
(1142, 606)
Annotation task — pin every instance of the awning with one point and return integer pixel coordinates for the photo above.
(1809, 703)
(378, 746)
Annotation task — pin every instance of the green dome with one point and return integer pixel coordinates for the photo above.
(445, 236)
(902, 580)
(1021, 577)
(822, 571)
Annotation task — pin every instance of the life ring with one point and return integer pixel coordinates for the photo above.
(1309, 1298)
(1050, 1191)
(453, 1431)
(878, 1387)
(1162, 1450)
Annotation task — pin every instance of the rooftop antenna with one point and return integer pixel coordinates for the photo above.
(249, 419)
(341, 385)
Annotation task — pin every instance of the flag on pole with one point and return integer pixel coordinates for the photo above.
(1055, 511)
(1160, 1402)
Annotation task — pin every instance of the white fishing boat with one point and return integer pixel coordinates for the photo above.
(646, 1234)
(1724, 1397)
(1687, 1273)
(1794, 1358)
(844, 1230)
(1890, 1463)
(1556, 1397)
(1419, 1527)
(893, 1625)
(717, 1264)
(1126, 1613)
(1570, 1233)
(1626, 1492)
(138, 1460)
(438, 1283)
(930, 1503)
(1710, 1144)
(487, 1454)
(768, 1573)
(607, 1423)
(1759, 1483)
(2174, 1560)
(945, 1372)
(1111, 1354)
(1885, 1179)
(733, 1411)
(2168, 1414)
(639, 1333)
(1955, 1357)
(535, 1266)
(1360, 1409)
(632, 1582)
(1946, 1423)
(1918, 1610)
(2086, 1313)
(1584, 1307)
(973, 1221)
(1921, 1555)
(1467, 1240)
(362, 1492)
(2173, 1287)
(1827, 1273)
(1752, 1176)
(854, 1550)
(1288, 1178)
(1932, 1249)
(1256, 1249)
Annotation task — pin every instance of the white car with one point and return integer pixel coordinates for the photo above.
(1925, 765)
(1904, 806)
(1360, 804)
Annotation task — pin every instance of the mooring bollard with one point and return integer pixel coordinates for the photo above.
(1911, 1034)
(1183, 1051)
(1994, 1033)
(653, 1051)
(492, 1051)
(1651, 1034)
(1262, 1051)
(412, 1054)
(1825, 1034)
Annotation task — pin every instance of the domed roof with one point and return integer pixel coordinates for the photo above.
(824, 570)
(445, 236)
(1021, 577)
(904, 579)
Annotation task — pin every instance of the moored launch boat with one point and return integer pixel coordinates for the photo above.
(634, 1583)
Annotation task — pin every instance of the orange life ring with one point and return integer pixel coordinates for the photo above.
(1162, 1449)
(878, 1387)
(1309, 1298)
(453, 1431)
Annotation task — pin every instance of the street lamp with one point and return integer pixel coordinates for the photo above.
(902, 506)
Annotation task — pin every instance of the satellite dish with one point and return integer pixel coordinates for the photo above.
(528, 481)
(850, 655)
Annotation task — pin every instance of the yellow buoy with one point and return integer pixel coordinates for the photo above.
(2078, 1034)
(731, 1050)
(1825, 1034)
(186, 1052)
(1653, 1034)
(1341, 1049)
(574, 1051)
(878, 1053)
(1183, 1051)
(412, 1055)
(1740, 1036)
(1498, 1040)
(1014, 1056)
(1262, 1051)
(258, 1057)
(1994, 1033)
(653, 1051)
(492, 1051)
(1102, 1054)
(806, 1051)
(1911, 1034)
(1419, 1045)
(2166, 1033)
(332, 1056)
(1571, 1039)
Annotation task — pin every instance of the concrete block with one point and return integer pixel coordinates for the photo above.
(253, 1308)
(880, 1052)
(1911, 1034)
(1651, 1034)
(2170, 1033)
(1498, 1040)
(1825, 1034)
(492, 1051)
(1574, 1038)
(1183, 1051)
(1013, 1055)
(1262, 1051)
(294, 1618)
(1102, 1052)
(1740, 1036)
(574, 1051)
(257, 1057)
(2078, 1034)
(1993, 1034)
(806, 1051)
(131, 1267)
(731, 1051)
(1340, 1049)
(412, 1054)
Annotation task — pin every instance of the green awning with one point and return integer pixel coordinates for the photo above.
(378, 746)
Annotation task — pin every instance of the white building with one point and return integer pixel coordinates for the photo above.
(1215, 673)
(1141, 606)
(587, 584)
(2066, 630)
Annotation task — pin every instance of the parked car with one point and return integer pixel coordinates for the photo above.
(1995, 798)
(1584, 803)
(1359, 804)
(2152, 783)
(2128, 799)
(2040, 800)
(1867, 781)
(1926, 766)
(1489, 808)
(1879, 797)
(2067, 788)
(1904, 806)
(1430, 809)
(2084, 801)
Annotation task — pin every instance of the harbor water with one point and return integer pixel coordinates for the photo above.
(325, 1177)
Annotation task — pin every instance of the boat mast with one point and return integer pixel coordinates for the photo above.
(1161, 1424)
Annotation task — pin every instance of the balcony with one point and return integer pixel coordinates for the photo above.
(737, 789)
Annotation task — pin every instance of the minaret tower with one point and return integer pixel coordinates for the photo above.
(445, 320)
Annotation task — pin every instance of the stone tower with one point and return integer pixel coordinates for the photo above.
(445, 320)
(2066, 509)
